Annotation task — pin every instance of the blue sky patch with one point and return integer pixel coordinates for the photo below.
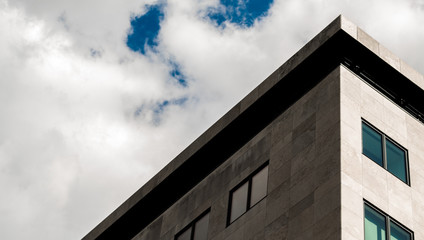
(138, 111)
(177, 74)
(145, 29)
(158, 108)
(243, 13)
(161, 106)
(95, 53)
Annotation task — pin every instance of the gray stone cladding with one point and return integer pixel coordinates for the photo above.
(318, 177)
(361, 178)
(303, 149)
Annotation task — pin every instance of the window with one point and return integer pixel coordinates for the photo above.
(196, 230)
(248, 193)
(385, 152)
(379, 226)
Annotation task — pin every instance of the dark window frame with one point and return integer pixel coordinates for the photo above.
(248, 180)
(192, 225)
(388, 219)
(384, 139)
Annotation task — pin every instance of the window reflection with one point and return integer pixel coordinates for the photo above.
(201, 228)
(197, 230)
(376, 224)
(397, 233)
(239, 202)
(185, 235)
(371, 144)
(252, 190)
(385, 152)
(396, 163)
(259, 186)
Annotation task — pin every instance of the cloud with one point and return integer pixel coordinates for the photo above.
(85, 120)
(67, 122)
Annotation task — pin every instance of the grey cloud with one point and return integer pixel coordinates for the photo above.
(71, 146)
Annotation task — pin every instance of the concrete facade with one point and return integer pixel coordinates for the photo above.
(304, 178)
(361, 178)
(305, 121)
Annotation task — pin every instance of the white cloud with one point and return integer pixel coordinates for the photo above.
(71, 146)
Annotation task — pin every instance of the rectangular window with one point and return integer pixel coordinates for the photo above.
(375, 224)
(380, 226)
(385, 152)
(371, 144)
(196, 230)
(396, 160)
(239, 201)
(248, 193)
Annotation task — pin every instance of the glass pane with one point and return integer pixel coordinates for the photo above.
(396, 160)
(185, 235)
(397, 233)
(259, 186)
(239, 202)
(371, 144)
(201, 228)
(375, 225)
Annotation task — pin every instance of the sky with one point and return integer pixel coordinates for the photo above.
(96, 96)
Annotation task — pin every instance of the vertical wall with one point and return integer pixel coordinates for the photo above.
(302, 147)
(364, 179)
(304, 191)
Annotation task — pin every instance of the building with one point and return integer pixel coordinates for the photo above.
(329, 146)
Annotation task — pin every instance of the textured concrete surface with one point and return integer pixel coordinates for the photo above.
(303, 200)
